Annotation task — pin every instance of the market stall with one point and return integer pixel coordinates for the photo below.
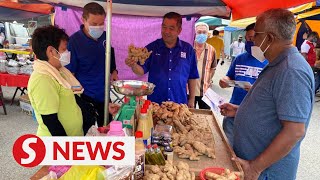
(191, 140)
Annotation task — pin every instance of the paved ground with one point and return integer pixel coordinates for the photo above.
(17, 123)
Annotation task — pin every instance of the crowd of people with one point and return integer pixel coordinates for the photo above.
(265, 123)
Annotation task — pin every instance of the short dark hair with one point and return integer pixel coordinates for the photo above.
(47, 36)
(314, 34)
(92, 8)
(250, 27)
(174, 15)
(215, 32)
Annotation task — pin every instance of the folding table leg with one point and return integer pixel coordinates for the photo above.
(14, 95)
(2, 102)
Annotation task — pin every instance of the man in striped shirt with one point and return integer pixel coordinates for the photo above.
(206, 63)
(244, 68)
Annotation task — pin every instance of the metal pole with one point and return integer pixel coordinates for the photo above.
(108, 61)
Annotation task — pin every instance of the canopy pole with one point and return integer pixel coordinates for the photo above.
(108, 61)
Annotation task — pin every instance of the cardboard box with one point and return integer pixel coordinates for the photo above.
(25, 104)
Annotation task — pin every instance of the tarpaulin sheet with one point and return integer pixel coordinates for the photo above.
(251, 8)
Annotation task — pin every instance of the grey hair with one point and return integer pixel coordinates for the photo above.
(280, 22)
(201, 24)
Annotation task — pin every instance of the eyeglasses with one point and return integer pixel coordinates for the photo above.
(258, 32)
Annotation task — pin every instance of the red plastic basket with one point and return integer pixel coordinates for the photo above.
(216, 170)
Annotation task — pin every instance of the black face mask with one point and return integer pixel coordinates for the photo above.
(239, 40)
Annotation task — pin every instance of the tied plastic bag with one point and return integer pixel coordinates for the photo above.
(51, 176)
(119, 173)
(84, 173)
(26, 69)
(93, 131)
(3, 64)
(59, 170)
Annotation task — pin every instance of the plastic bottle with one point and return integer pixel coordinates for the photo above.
(115, 129)
(143, 125)
(150, 119)
(148, 155)
(151, 110)
(139, 156)
(158, 155)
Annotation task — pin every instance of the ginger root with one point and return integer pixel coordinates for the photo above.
(138, 54)
(169, 172)
(192, 139)
(226, 175)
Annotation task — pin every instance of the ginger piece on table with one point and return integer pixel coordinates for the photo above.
(175, 139)
(180, 127)
(183, 166)
(180, 176)
(199, 146)
(169, 169)
(181, 111)
(176, 112)
(211, 175)
(152, 177)
(155, 169)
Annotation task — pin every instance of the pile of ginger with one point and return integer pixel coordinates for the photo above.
(189, 139)
(169, 172)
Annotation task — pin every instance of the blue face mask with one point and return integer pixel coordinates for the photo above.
(96, 31)
(248, 46)
(201, 38)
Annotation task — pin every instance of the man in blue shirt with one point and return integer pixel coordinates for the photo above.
(87, 47)
(244, 68)
(171, 66)
(272, 120)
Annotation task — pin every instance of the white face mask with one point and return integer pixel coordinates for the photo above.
(258, 53)
(96, 31)
(64, 57)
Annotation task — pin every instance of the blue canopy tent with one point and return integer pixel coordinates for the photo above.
(214, 21)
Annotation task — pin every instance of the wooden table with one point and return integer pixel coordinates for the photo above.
(222, 148)
(223, 151)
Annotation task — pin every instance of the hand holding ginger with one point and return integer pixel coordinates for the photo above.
(136, 54)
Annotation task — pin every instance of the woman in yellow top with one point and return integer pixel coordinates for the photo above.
(51, 86)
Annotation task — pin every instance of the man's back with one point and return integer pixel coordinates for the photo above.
(217, 43)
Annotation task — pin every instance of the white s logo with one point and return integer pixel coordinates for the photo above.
(26, 148)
